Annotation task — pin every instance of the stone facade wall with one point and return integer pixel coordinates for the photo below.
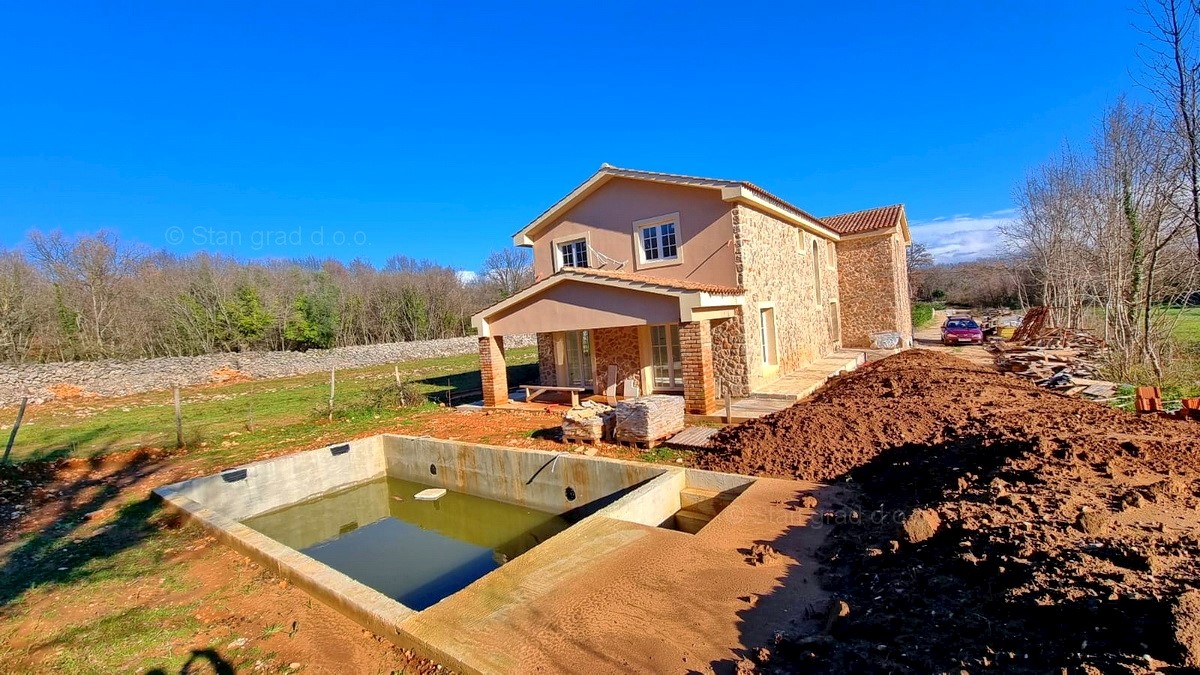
(118, 378)
(616, 347)
(903, 299)
(774, 262)
(873, 299)
(547, 364)
(729, 356)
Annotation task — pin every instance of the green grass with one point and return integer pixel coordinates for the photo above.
(224, 422)
(138, 636)
(1187, 330)
(922, 313)
(662, 455)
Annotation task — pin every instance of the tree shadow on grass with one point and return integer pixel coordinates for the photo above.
(60, 552)
(50, 452)
(198, 660)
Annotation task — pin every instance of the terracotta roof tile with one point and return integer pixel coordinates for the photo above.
(676, 284)
(865, 221)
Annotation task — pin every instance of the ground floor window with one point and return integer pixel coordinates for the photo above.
(577, 345)
(766, 326)
(666, 357)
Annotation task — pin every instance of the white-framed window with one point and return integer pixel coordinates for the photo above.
(657, 240)
(571, 252)
(766, 327)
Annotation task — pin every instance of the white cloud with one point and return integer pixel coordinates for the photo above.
(466, 276)
(962, 237)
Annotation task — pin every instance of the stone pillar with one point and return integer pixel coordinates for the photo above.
(699, 382)
(493, 370)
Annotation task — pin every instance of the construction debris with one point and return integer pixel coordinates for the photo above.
(589, 423)
(1064, 359)
(649, 419)
(1033, 323)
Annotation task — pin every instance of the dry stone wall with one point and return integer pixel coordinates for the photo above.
(41, 381)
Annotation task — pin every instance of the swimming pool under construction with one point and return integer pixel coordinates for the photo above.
(529, 560)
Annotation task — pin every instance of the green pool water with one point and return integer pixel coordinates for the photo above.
(413, 551)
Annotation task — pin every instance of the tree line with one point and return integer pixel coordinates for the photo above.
(1109, 234)
(92, 296)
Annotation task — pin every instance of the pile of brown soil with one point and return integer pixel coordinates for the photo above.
(1060, 533)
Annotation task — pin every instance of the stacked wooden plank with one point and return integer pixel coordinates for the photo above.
(649, 419)
(1032, 324)
(589, 423)
(1063, 359)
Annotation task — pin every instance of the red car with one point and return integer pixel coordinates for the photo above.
(961, 330)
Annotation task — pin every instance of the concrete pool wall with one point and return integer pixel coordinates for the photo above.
(580, 488)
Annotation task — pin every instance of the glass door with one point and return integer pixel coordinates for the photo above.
(667, 361)
(578, 345)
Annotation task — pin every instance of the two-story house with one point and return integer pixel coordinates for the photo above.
(694, 286)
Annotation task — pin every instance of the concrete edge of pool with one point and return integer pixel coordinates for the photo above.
(620, 507)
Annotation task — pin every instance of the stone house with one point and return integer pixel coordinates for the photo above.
(665, 283)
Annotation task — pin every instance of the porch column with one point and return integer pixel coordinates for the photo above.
(699, 382)
(493, 370)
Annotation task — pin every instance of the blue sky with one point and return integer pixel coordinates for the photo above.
(436, 130)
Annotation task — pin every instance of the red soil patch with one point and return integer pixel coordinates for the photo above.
(227, 375)
(67, 391)
(1066, 528)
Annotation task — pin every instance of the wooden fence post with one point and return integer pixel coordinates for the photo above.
(332, 386)
(12, 437)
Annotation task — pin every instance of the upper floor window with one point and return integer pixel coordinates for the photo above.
(573, 253)
(658, 239)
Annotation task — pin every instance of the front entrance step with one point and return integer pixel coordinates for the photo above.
(776, 396)
(690, 521)
(704, 502)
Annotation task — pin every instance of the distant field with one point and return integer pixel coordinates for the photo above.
(1188, 328)
(222, 422)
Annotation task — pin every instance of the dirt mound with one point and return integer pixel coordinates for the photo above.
(921, 397)
(1066, 529)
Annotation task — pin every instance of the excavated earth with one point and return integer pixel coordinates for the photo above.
(1045, 533)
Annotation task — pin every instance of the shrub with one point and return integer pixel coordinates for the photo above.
(922, 313)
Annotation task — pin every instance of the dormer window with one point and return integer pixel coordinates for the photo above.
(657, 240)
(572, 253)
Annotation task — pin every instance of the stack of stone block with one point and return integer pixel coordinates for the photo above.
(648, 419)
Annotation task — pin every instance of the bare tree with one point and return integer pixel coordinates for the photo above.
(508, 270)
(918, 260)
(1170, 56)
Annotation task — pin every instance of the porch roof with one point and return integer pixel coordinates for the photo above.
(578, 298)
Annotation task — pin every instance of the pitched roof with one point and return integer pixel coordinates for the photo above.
(660, 282)
(866, 221)
(699, 181)
(731, 191)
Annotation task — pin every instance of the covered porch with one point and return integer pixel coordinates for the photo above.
(614, 335)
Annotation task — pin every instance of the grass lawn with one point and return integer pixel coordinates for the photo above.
(227, 421)
(1187, 330)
